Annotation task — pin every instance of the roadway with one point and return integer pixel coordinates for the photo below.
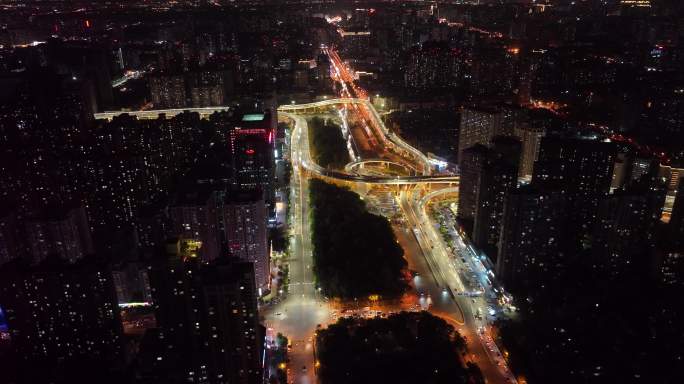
(302, 309)
(310, 165)
(448, 272)
(368, 112)
(448, 267)
(440, 283)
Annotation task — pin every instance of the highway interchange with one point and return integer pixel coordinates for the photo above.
(443, 271)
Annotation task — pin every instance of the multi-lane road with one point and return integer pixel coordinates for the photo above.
(448, 270)
(303, 309)
(441, 281)
(447, 299)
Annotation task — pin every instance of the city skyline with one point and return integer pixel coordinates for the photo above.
(205, 191)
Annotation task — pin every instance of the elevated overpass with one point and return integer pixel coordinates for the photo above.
(302, 155)
(377, 121)
(154, 114)
(354, 166)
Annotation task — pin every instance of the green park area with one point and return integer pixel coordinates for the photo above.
(356, 254)
(408, 347)
(327, 146)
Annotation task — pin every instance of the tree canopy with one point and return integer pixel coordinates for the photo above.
(356, 254)
(328, 148)
(409, 347)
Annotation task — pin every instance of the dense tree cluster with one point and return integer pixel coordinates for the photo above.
(409, 347)
(356, 254)
(328, 148)
(278, 239)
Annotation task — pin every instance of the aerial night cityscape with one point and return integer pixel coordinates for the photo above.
(341, 191)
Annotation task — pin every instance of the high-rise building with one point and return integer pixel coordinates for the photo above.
(523, 74)
(62, 231)
(10, 245)
(669, 255)
(626, 224)
(178, 310)
(498, 176)
(233, 321)
(479, 125)
(252, 149)
(356, 42)
(641, 166)
(636, 3)
(471, 161)
(245, 223)
(193, 216)
(168, 91)
(493, 70)
(132, 167)
(207, 88)
(60, 314)
(677, 217)
(153, 225)
(433, 65)
(630, 167)
(323, 70)
(669, 266)
(530, 135)
(581, 167)
(131, 281)
(620, 171)
(530, 248)
(45, 119)
(208, 322)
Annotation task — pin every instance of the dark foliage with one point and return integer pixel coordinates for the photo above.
(407, 347)
(328, 148)
(278, 239)
(355, 252)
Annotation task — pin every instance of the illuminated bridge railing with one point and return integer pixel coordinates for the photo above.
(155, 113)
(394, 138)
